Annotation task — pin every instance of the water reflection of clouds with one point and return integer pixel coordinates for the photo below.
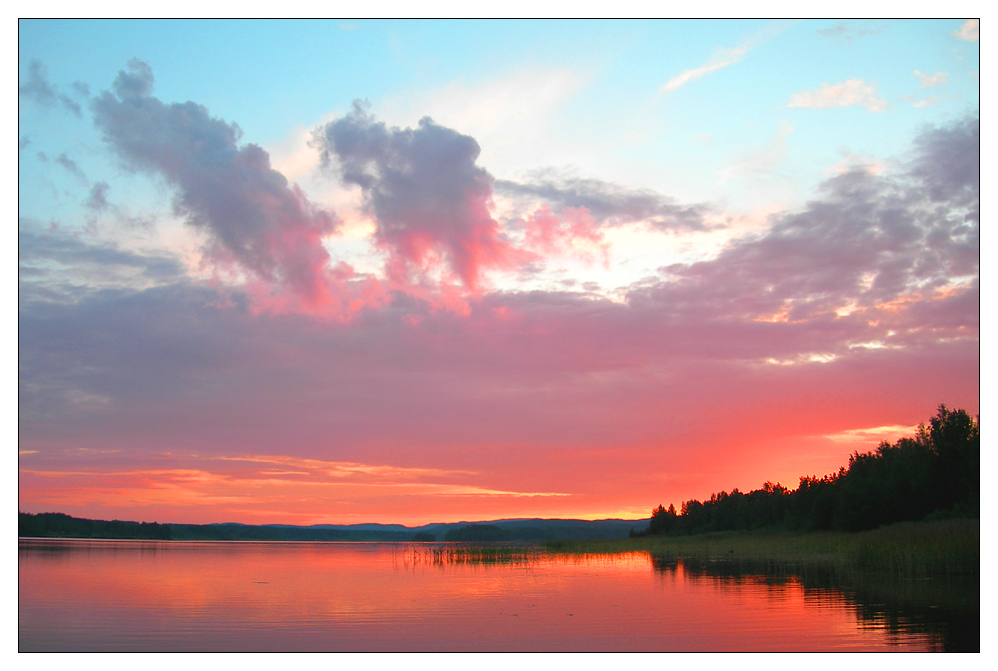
(357, 596)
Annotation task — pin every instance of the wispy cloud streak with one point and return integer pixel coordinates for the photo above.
(720, 59)
(723, 58)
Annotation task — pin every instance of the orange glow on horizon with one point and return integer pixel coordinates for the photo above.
(268, 489)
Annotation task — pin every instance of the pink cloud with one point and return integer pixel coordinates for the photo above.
(845, 94)
(573, 233)
(431, 202)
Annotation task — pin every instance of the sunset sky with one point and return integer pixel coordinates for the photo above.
(412, 272)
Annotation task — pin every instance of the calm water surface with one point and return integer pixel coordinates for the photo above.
(166, 596)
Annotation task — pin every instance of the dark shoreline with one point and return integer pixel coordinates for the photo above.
(59, 525)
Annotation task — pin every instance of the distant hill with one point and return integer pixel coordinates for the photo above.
(59, 525)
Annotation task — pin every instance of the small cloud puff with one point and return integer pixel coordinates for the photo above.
(929, 79)
(969, 31)
(848, 93)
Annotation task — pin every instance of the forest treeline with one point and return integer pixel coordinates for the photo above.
(933, 474)
(59, 525)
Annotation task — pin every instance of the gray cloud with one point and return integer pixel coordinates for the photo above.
(948, 162)
(37, 89)
(60, 257)
(250, 212)
(866, 243)
(424, 190)
(81, 90)
(96, 353)
(609, 204)
(71, 166)
(846, 34)
(136, 82)
(98, 204)
(97, 200)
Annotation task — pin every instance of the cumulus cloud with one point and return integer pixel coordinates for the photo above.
(848, 93)
(929, 79)
(422, 186)
(38, 89)
(926, 102)
(609, 204)
(253, 217)
(137, 81)
(969, 31)
(862, 256)
(947, 163)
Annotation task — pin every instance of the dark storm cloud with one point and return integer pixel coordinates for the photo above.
(36, 88)
(250, 212)
(609, 204)
(424, 190)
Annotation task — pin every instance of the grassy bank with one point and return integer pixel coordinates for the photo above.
(905, 550)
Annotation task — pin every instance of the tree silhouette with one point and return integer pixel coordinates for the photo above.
(936, 472)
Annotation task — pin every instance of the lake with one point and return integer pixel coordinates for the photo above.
(88, 595)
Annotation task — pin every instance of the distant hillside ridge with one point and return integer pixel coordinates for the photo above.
(60, 525)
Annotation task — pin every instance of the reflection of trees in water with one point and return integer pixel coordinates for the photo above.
(68, 548)
(946, 609)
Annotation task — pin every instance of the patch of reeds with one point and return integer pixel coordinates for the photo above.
(443, 554)
(921, 549)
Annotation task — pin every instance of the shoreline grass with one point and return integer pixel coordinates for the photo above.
(908, 550)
